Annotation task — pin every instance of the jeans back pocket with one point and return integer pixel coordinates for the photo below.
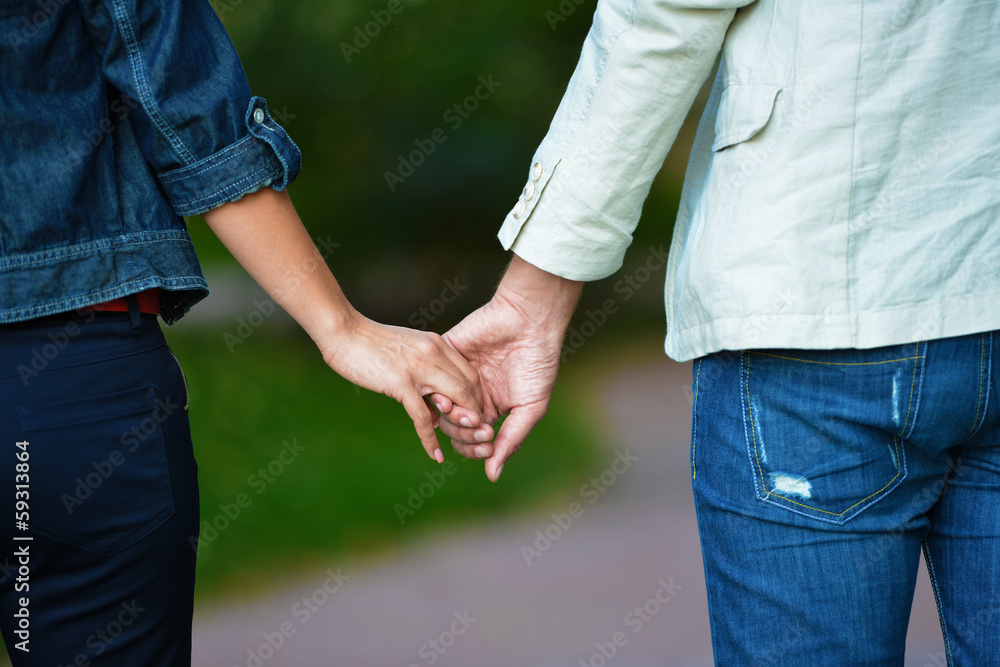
(99, 475)
(825, 431)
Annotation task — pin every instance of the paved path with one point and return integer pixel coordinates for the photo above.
(471, 591)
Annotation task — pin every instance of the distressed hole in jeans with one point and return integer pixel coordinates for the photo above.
(791, 485)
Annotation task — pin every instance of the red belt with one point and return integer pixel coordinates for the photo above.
(149, 303)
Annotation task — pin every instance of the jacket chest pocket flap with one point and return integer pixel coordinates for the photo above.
(744, 110)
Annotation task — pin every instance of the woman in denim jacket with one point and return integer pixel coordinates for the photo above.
(119, 117)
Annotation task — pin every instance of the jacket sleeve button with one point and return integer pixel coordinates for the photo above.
(519, 209)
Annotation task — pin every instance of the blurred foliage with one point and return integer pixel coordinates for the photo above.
(347, 486)
(357, 85)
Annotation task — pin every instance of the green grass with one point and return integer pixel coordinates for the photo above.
(361, 458)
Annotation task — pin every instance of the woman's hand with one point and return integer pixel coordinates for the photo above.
(408, 366)
(264, 233)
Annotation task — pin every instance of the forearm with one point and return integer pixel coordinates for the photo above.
(543, 298)
(266, 236)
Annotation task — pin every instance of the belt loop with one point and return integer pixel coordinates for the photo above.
(134, 314)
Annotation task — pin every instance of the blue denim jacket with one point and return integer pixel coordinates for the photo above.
(117, 117)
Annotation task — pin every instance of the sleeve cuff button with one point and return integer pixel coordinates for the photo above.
(519, 209)
(258, 116)
(536, 171)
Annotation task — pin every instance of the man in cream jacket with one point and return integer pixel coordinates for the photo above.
(834, 275)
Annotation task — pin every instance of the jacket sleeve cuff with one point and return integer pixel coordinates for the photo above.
(562, 237)
(267, 156)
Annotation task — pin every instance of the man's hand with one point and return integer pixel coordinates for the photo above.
(264, 233)
(514, 342)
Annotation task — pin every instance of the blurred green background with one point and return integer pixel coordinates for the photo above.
(358, 86)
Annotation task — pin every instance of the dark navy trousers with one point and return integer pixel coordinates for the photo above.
(98, 494)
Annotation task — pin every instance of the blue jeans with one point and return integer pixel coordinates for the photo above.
(818, 478)
(112, 498)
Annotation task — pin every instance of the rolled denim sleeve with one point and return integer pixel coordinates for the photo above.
(207, 137)
(641, 68)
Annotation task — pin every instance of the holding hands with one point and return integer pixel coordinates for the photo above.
(514, 343)
(501, 361)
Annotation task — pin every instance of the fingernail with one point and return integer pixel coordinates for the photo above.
(499, 470)
(465, 421)
(440, 406)
(482, 451)
(438, 456)
(482, 436)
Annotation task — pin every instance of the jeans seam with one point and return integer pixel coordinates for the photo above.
(694, 410)
(980, 406)
(931, 572)
(909, 404)
(839, 363)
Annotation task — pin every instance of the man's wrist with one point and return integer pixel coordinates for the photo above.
(545, 299)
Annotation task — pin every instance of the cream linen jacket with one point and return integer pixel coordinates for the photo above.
(844, 185)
